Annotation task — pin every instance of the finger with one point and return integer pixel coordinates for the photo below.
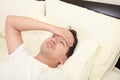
(69, 38)
(65, 37)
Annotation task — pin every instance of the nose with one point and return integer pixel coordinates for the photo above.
(54, 41)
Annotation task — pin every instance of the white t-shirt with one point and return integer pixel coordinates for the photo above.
(23, 66)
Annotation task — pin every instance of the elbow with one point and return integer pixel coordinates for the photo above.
(9, 21)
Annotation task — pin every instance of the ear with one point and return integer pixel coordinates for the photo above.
(63, 60)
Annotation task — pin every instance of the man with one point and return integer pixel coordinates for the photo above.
(54, 51)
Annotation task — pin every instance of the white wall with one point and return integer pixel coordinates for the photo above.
(117, 2)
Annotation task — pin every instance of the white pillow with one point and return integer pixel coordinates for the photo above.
(30, 8)
(78, 66)
(90, 25)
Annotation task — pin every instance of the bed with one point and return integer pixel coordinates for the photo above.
(98, 28)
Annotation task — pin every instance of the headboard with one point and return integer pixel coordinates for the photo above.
(104, 8)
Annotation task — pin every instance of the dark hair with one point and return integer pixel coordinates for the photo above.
(72, 48)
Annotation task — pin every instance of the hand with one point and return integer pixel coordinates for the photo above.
(65, 33)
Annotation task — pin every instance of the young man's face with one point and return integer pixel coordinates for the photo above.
(55, 48)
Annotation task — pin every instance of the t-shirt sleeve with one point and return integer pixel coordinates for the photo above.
(21, 51)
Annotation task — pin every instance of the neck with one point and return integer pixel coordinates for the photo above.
(48, 62)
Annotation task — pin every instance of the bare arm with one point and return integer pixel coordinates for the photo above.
(16, 24)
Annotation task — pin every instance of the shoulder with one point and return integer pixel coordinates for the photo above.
(21, 51)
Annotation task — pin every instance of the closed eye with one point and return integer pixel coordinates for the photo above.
(62, 43)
